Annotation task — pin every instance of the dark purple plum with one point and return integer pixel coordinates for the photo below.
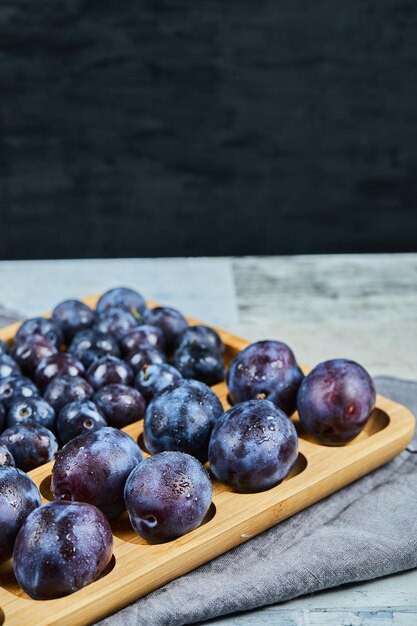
(15, 387)
(77, 418)
(19, 496)
(60, 548)
(6, 457)
(170, 321)
(120, 405)
(90, 345)
(152, 379)
(3, 347)
(2, 417)
(94, 468)
(34, 410)
(199, 362)
(60, 364)
(72, 317)
(31, 445)
(167, 496)
(109, 370)
(65, 389)
(335, 400)
(122, 298)
(181, 418)
(142, 336)
(31, 350)
(8, 367)
(144, 356)
(265, 370)
(202, 335)
(40, 326)
(117, 322)
(253, 446)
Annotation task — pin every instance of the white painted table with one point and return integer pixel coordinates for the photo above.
(357, 306)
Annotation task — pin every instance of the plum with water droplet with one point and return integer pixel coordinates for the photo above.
(167, 496)
(34, 410)
(265, 370)
(40, 326)
(94, 468)
(335, 400)
(181, 418)
(144, 356)
(109, 370)
(60, 364)
(117, 322)
(156, 377)
(142, 336)
(19, 496)
(31, 445)
(121, 405)
(16, 387)
(72, 317)
(78, 417)
(60, 548)
(63, 390)
(122, 298)
(253, 446)
(171, 322)
(30, 351)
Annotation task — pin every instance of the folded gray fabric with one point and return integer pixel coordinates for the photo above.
(364, 531)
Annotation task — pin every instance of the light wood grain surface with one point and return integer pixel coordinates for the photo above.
(363, 307)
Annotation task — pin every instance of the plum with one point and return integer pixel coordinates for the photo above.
(120, 405)
(142, 336)
(15, 387)
(60, 548)
(181, 418)
(65, 389)
(199, 362)
(31, 350)
(90, 345)
(34, 410)
(71, 317)
(31, 445)
(167, 495)
(202, 335)
(335, 400)
(94, 467)
(109, 370)
(144, 356)
(253, 446)
(122, 298)
(78, 417)
(152, 379)
(6, 457)
(170, 321)
(19, 496)
(117, 322)
(60, 364)
(8, 367)
(40, 326)
(265, 370)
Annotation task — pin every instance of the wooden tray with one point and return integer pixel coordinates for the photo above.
(138, 568)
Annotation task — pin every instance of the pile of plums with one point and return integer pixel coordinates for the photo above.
(68, 384)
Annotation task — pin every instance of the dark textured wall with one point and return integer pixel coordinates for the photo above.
(207, 127)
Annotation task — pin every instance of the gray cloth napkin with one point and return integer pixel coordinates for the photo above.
(364, 531)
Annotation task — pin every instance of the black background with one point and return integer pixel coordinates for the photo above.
(207, 127)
